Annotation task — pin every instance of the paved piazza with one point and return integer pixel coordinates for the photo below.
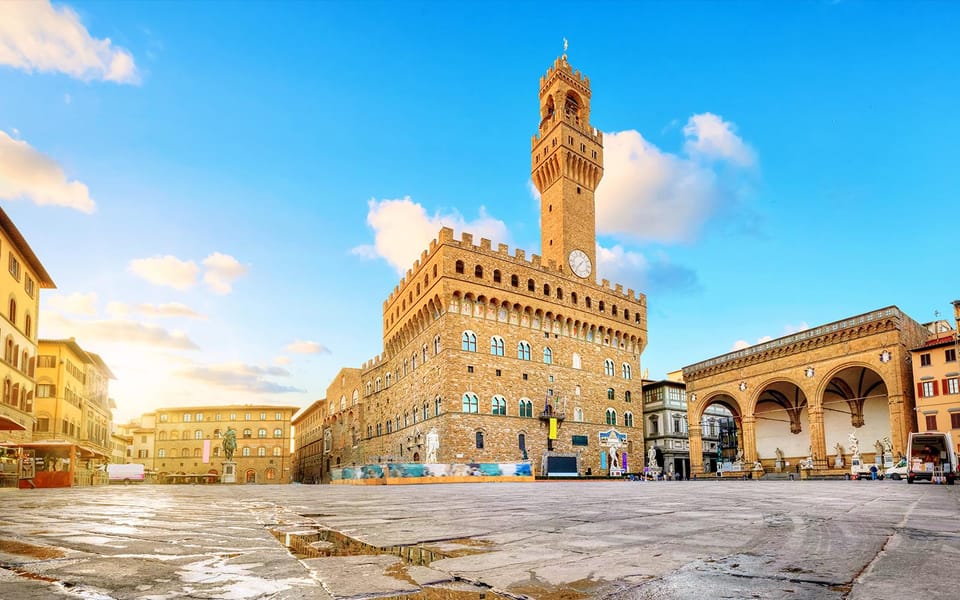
(616, 539)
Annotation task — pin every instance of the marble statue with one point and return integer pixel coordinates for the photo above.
(779, 454)
(854, 444)
(433, 445)
(652, 457)
(839, 449)
(878, 447)
(887, 445)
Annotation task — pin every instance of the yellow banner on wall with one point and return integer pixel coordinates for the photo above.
(553, 428)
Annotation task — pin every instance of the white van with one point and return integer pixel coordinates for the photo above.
(132, 473)
(932, 457)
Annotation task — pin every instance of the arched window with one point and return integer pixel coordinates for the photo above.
(162, 453)
(626, 370)
(499, 405)
(601, 306)
(423, 353)
(198, 435)
(471, 403)
(526, 407)
(578, 414)
(387, 380)
(413, 361)
(277, 450)
(459, 267)
(576, 361)
(468, 341)
(278, 433)
(261, 451)
(654, 425)
(496, 345)
(496, 276)
(573, 297)
(531, 286)
(437, 406)
(613, 310)
(379, 387)
(426, 412)
(185, 452)
(343, 403)
(248, 433)
(479, 440)
(608, 368)
(628, 419)
(369, 388)
(611, 416)
(626, 396)
(559, 293)
(514, 281)
(436, 345)
(356, 397)
(478, 272)
(523, 351)
(245, 452)
(13, 311)
(28, 327)
(547, 355)
(587, 300)
(546, 289)
(610, 393)
(522, 442)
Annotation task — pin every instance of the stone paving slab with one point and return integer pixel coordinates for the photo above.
(816, 539)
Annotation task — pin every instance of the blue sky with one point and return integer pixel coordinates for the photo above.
(226, 193)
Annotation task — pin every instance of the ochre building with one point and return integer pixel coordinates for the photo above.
(936, 378)
(485, 346)
(806, 393)
(188, 443)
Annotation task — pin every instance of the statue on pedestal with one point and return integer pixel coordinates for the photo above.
(854, 444)
(433, 445)
(838, 460)
(229, 443)
(652, 457)
(779, 463)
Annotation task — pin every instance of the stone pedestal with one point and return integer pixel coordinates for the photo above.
(887, 460)
(229, 472)
(779, 466)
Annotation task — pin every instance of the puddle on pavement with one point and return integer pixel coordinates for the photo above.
(321, 543)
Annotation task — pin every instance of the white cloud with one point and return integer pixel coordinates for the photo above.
(282, 360)
(221, 271)
(166, 270)
(236, 376)
(26, 173)
(120, 331)
(651, 195)
(636, 270)
(403, 229)
(157, 311)
(787, 330)
(708, 135)
(36, 36)
(301, 347)
(76, 303)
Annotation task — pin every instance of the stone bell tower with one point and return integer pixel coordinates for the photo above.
(567, 158)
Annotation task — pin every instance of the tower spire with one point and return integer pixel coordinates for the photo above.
(567, 164)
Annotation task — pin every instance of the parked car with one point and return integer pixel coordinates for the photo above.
(897, 471)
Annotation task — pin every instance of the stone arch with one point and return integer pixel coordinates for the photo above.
(857, 389)
(781, 413)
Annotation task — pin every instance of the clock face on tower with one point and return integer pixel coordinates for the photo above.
(580, 263)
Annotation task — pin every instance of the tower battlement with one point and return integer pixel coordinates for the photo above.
(562, 68)
(518, 257)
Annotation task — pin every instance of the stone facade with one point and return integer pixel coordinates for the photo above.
(483, 345)
(806, 392)
(182, 435)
